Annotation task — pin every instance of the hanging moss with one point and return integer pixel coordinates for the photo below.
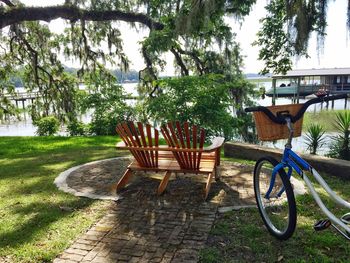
(289, 25)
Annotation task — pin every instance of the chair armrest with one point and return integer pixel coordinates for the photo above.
(216, 143)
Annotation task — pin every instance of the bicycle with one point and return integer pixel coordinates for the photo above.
(273, 190)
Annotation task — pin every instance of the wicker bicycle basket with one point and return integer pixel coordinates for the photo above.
(270, 131)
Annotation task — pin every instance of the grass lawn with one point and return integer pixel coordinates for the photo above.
(37, 220)
(324, 118)
(240, 236)
(256, 80)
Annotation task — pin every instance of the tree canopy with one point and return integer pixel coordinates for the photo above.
(194, 31)
(189, 29)
(287, 28)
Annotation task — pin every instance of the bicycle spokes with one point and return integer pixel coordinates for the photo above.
(276, 205)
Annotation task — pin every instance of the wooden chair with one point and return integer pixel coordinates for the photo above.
(144, 149)
(188, 149)
(181, 154)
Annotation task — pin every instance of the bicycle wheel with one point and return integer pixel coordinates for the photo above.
(278, 209)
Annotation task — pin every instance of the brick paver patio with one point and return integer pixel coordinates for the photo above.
(144, 227)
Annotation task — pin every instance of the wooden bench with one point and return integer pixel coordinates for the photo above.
(185, 152)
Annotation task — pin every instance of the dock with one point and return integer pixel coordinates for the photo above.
(304, 82)
(18, 97)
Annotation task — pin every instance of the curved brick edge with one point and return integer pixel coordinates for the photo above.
(61, 181)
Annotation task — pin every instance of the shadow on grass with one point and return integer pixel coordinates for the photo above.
(30, 203)
(41, 215)
(242, 236)
(44, 164)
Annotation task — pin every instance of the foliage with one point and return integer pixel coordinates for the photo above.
(227, 64)
(77, 128)
(47, 126)
(314, 137)
(323, 117)
(7, 108)
(202, 101)
(286, 30)
(273, 39)
(6, 86)
(107, 99)
(33, 52)
(241, 92)
(340, 147)
(38, 221)
(189, 29)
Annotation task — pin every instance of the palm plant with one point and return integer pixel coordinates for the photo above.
(314, 137)
(341, 142)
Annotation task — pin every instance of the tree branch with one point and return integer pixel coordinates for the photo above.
(199, 64)
(21, 14)
(150, 70)
(184, 70)
(30, 50)
(7, 2)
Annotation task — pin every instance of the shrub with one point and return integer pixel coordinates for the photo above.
(109, 104)
(77, 128)
(202, 101)
(104, 123)
(340, 147)
(47, 126)
(314, 137)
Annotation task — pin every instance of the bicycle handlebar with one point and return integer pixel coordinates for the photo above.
(299, 114)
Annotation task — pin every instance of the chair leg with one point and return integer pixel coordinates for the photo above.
(163, 183)
(207, 187)
(123, 181)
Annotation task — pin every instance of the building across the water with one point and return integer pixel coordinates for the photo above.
(304, 82)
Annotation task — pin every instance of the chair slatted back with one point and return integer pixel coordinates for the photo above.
(140, 137)
(178, 137)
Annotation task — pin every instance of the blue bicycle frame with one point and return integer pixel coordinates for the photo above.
(292, 161)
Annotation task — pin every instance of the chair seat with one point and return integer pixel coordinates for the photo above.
(167, 162)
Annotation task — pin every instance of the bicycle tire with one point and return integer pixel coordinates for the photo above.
(276, 208)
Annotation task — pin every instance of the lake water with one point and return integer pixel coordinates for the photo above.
(25, 127)
(17, 128)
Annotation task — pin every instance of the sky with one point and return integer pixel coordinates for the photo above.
(336, 51)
